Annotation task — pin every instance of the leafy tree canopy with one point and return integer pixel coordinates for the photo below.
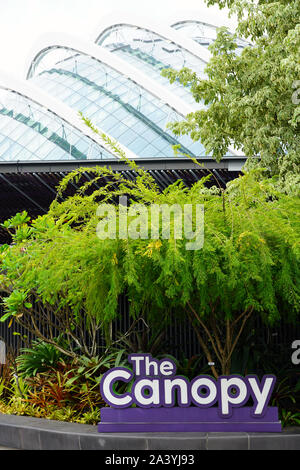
(252, 98)
(249, 262)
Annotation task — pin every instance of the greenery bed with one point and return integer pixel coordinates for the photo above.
(57, 274)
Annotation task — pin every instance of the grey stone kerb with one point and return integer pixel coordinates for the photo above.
(20, 432)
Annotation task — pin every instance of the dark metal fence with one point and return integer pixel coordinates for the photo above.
(178, 338)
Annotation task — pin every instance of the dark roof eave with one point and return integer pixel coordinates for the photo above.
(229, 163)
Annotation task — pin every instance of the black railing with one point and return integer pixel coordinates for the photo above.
(177, 337)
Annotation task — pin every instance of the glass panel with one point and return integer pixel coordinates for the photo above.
(111, 99)
(203, 33)
(31, 131)
(116, 104)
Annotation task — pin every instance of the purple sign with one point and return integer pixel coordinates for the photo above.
(161, 401)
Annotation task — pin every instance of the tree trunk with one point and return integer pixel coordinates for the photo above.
(215, 345)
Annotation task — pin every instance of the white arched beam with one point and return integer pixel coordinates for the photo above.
(52, 41)
(162, 30)
(64, 112)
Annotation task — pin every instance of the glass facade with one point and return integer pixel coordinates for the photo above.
(129, 112)
(151, 53)
(203, 33)
(126, 111)
(30, 132)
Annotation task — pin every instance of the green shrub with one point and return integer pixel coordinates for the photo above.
(41, 357)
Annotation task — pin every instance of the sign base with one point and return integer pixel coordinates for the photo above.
(190, 419)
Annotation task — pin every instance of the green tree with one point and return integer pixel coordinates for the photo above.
(251, 99)
(248, 265)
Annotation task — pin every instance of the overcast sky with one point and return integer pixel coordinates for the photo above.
(23, 21)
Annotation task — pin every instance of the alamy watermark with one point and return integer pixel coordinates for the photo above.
(2, 352)
(296, 354)
(296, 94)
(153, 222)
